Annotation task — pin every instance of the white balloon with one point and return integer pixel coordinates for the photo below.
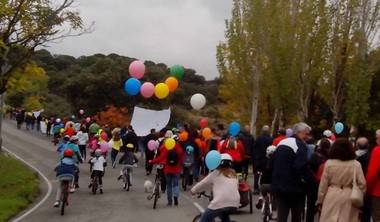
(198, 101)
(58, 120)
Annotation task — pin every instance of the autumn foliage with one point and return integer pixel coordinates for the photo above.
(114, 117)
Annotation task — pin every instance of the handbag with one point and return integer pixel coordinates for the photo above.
(357, 195)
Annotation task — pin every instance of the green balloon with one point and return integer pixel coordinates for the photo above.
(177, 71)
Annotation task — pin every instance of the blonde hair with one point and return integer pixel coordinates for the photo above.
(227, 172)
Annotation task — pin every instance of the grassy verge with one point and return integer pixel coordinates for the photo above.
(19, 186)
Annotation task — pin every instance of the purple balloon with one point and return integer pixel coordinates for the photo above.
(147, 90)
(153, 145)
(289, 132)
(137, 69)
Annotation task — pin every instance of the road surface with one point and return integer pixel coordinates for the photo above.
(114, 205)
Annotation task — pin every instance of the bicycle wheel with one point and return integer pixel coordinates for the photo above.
(156, 195)
(250, 201)
(197, 218)
(128, 182)
(95, 185)
(65, 196)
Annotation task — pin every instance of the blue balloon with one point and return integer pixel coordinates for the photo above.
(189, 149)
(234, 129)
(213, 159)
(132, 86)
(339, 127)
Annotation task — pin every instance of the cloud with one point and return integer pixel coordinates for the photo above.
(171, 31)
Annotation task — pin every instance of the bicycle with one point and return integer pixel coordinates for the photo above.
(157, 187)
(127, 177)
(266, 207)
(198, 217)
(65, 180)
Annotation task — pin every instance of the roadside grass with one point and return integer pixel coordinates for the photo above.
(19, 186)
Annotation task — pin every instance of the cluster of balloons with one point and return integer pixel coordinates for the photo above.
(133, 85)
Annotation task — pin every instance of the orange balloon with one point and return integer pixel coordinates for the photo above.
(183, 136)
(172, 83)
(206, 133)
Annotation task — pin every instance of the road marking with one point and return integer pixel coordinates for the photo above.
(196, 205)
(19, 218)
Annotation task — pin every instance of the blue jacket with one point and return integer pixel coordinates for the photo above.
(66, 166)
(291, 173)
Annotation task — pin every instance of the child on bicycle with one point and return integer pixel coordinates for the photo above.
(98, 164)
(129, 160)
(225, 188)
(66, 168)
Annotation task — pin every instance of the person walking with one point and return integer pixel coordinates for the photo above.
(82, 141)
(259, 155)
(373, 180)
(116, 143)
(340, 173)
(248, 142)
(149, 154)
(291, 175)
(362, 156)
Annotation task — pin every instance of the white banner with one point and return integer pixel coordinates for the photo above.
(143, 120)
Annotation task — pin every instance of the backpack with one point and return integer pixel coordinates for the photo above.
(65, 169)
(172, 159)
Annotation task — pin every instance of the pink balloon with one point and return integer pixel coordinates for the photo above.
(137, 69)
(147, 90)
(104, 147)
(88, 119)
(203, 123)
(81, 111)
(152, 145)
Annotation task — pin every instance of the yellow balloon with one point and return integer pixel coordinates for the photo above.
(169, 144)
(161, 90)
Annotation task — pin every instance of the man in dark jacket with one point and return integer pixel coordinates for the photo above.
(149, 154)
(291, 175)
(248, 141)
(260, 154)
(363, 155)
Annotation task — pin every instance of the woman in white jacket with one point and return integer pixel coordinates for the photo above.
(225, 188)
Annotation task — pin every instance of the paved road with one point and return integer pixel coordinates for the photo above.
(114, 205)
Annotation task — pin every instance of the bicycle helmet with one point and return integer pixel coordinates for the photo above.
(68, 153)
(189, 149)
(270, 150)
(226, 160)
(98, 152)
(130, 146)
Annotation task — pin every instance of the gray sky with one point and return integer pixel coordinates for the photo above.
(182, 32)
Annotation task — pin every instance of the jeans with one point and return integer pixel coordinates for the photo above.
(290, 202)
(172, 186)
(196, 169)
(113, 157)
(223, 213)
(82, 149)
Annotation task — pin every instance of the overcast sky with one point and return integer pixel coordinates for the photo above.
(171, 31)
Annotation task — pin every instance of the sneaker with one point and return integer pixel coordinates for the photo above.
(260, 202)
(72, 190)
(56, 204)
(90, 185)
(101, 191)
(176, 201)
(169, 204)
(119, 177)
(76, 186)
(124, 186)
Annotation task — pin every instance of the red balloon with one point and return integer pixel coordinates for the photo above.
(203, 123)
(104, 136)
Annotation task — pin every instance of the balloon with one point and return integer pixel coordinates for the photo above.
(198, 101)
(104, 147)
(62, 130)
(289, 132)
(183, 136)
(206, 133)
(137, 69)
(153, 145)
(169, 143)
(177, 71)
(104, 136)
(161, 90)
(132, 86)
(81, 111)
(234, 129)
(147, 90)
(203, 123)
(73, 117)
(339, 127)
(88, 119)
(213, 159)
(58, 120)
(172, 83)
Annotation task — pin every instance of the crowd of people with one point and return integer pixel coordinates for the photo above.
(333, 177)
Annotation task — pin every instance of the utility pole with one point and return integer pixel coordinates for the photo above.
(2, 97)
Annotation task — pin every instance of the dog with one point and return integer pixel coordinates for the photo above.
(148, 186)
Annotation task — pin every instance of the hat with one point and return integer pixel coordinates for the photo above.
(169, 134)
(327, 133)
(226, 156)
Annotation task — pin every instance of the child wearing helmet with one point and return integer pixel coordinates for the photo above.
(223, 181)
(98, 164)
(128, 160)
(188, 164)
(66, 168)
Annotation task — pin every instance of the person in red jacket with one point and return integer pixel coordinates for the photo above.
(373, 179)
(173, 162)
(280, 137)
(235, 149)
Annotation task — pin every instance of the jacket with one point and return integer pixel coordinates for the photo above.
(163, 158)
(66, 166)
(248, 142)
(128, 158)
(260, 151)
(373, 177)
(236, 153)
(291, 173)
